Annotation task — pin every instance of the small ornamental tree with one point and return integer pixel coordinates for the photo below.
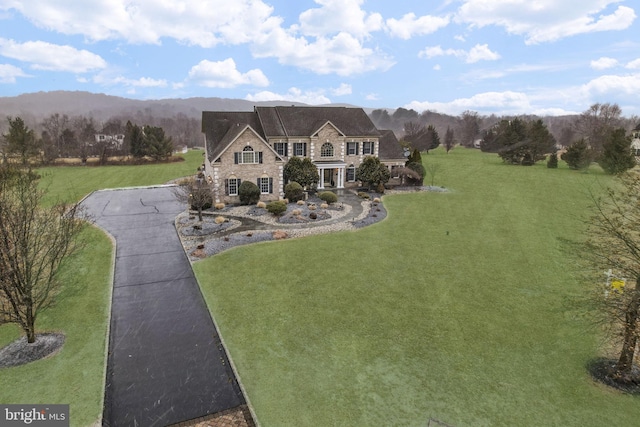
(578, 155)
(616, 153)
(196, 193)
(372, 172)
(614, 244)
(302, 171)
(552, 163)
(34, 241)
(449, 141)
(249, 193)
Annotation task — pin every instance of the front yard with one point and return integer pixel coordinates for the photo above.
(459, 307)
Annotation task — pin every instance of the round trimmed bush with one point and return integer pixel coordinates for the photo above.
(261, 205)
(293, 191)
(249, 193)
(219, 206)
(219, 219)
(328, 197)
(277, 207)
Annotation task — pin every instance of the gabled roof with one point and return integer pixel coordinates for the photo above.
(305, 121)
(221, 128)
(389, 147)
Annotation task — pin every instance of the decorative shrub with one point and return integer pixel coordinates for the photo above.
(261, 205)
(376, 200)
(328, 197)
(363, 195)
(219, 219)
(313, 215)
(293, 191)
(296, 212)
(324, 206)
(300, 202)
(277, 207)
(312, 207)
(219, 206)
(249, 193)
(380, 188)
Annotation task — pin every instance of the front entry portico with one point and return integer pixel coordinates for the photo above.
(331, 174)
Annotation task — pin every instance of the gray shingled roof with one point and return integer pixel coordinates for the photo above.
(390, 148)
(221, 127)
(304, 121)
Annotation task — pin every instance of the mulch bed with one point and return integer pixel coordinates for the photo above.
(20, 352)
(602, 370)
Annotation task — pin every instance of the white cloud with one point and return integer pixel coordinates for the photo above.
(488, 102)
(342, 54)
(336, 16)
(477, 53)
(546, 20)
(627, 86)
(9, 73)
(372, 97)
(437, 67)
(52, 57)
(343, 89)
(329, 39)
(409, 25)
(193, 22)
(604, 63)
(481, 52)
(634, 65)
(293, 94)
(224, 74)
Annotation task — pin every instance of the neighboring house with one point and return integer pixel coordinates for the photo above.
(635, 141)
(113, 141)
(256, 146)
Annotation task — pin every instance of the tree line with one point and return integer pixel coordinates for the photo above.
(80, 137)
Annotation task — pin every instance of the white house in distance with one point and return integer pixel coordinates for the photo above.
(635, 141)
(256, 145)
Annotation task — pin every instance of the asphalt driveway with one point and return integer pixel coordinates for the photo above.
(166, 363)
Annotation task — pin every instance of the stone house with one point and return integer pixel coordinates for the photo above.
(256, 145)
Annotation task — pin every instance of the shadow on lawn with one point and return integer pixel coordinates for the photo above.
(602, 370)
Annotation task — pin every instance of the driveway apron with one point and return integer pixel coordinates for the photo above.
(166, 363)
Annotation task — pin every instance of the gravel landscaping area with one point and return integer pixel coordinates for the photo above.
(223, 229)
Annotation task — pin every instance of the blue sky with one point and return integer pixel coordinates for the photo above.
(491, 56)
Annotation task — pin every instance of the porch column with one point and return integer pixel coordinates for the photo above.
(340, 177)
(321, 180)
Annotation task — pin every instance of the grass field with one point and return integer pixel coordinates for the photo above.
(72, 183)
(459, 307)
(76, 374)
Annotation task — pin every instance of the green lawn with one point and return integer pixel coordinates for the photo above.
(458, 307)
(76, 375)
(72, 183)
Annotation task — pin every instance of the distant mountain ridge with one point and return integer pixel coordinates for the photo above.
(38, 105)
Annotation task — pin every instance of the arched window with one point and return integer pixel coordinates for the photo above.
(326, 150)
(247, 155)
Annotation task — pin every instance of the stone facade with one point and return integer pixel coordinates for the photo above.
(336, 139)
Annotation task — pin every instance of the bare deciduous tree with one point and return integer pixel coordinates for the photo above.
(614, 243)
(34, 241)
(196, 193)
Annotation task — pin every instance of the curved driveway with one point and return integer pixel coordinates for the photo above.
(166, 363)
